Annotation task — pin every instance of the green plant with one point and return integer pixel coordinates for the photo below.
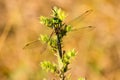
(56, 43)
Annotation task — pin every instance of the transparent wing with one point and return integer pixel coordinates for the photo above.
(77, 20)
(37, 43)
(74, 22)
(32, 44)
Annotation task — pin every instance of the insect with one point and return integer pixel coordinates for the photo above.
(74, 22)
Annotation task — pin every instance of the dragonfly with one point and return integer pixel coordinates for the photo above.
(74, 22)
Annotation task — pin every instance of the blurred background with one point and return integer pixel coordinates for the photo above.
(98, 56)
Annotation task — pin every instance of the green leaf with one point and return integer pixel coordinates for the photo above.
(68, 28)
(43, 38)
(66, 59)
(71, 53)
(57, 12)
(53, 44)
(46, 21)
(81, 78)
(48, 66)
(61, 14)
(68, 55)
(56, 20)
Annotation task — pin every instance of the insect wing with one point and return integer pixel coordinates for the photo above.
(36, 43)
(76, 21)
(32, 44)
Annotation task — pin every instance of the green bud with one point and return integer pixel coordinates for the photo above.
(57, 12)
(68, 28)
(81, 78)
(48, 66)
(44, 38)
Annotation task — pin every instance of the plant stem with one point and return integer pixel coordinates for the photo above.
(59, 46)
(57, 31)
(60, 54)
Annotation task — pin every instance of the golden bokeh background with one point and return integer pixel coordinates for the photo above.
(98, 56)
